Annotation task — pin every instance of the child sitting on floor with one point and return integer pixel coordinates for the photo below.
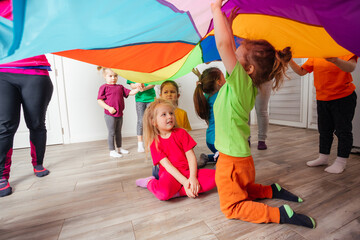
(172, 147)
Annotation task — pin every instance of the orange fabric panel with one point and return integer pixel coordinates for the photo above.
(140, 58)
(330, 81)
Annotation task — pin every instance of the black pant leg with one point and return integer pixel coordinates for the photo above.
(10, 105)
(343, 111)
(326, 127)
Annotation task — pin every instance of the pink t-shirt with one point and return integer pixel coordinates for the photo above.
(21, 66)
(113, 95)
(174, 149)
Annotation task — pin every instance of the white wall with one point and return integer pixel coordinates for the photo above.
(82, 118)
(356, 121)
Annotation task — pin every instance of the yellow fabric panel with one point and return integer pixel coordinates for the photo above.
(159, 75)
(305, 40)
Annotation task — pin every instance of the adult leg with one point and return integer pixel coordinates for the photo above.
(261, 107)
(36, 92)
(343, 111)
(326, 130)
(10, 102)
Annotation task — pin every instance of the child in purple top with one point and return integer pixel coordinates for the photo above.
(111, 98)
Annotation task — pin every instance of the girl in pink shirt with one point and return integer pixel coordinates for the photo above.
(173, 148)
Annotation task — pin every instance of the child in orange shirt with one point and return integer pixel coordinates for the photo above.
(336, 102)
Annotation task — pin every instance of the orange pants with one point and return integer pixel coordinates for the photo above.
(235, 181)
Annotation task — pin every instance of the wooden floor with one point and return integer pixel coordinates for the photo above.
(89, 195)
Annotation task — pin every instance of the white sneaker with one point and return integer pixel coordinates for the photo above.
(115, 154)
(123, 151)
(141, 147)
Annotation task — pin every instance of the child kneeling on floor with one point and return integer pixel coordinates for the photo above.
(251, 64)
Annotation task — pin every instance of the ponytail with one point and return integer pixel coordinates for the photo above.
(206, 84)
(200, 103)
(282, 58)
(268, 62)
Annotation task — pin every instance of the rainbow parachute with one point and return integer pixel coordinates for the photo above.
(150, 41)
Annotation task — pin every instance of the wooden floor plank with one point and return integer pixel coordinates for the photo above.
(89, 195)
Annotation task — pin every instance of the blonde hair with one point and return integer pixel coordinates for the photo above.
(99, 68)
(151, 133)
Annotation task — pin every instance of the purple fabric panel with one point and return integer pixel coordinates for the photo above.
(298, 10)
(341, 19)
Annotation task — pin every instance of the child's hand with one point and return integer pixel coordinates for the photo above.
(112, 110)
(187, 187)
(196, 72)
(140, 86)
(233, 14)
(194, 185)
(216, 5)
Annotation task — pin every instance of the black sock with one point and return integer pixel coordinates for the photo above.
(5, 188)
(287, 215)
(281, 193)
(40, 171)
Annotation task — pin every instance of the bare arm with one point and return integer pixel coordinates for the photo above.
(173, 171)
(148, 87)
(133, 85)
(346, 66)
(133, 92)
(194, 183)
(139, 86)
(190, 156)
(178, 176)
(105, 106)
(223, 38)
(297, 69)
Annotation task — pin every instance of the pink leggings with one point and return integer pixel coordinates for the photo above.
(167, 186)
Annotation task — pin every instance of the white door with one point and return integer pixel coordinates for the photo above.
(288, 106)
(53, 120)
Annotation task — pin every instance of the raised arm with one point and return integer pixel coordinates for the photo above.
(346, 66)
(297, 69)
(223, 37)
